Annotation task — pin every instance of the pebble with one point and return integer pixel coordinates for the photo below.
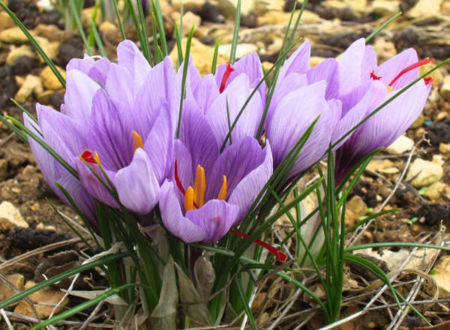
(49, 79)
(202, 55)
(381, 165)
(418, 122)
(442, 277)
(384, 49)
(50, 48)
(17, 52)
(190, 20)
(13, 35)
(241, 50)
(277, 5)
(3, 169)
(424, 173)
(357, 206)
(228, 7)
(435, 191)
(32, 84)
(282, 18)
(425, 8)
(17, 280)
(444, 148)
(48, 297)
(10, 217)
(358, 6)
(445, 88)
(5, 21)
(188, 4)
(401, 145)
(385, 7)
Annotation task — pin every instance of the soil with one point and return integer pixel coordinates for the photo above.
(22, 184)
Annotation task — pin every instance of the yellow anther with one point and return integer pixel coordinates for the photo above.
(189, 199)
(389, 89)
(199, 186)
(97, 159)
(137, 141)
(223, 189)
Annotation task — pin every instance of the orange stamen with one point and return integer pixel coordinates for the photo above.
(199, 186)
(223, 190)
(137, 141)
(189, 199)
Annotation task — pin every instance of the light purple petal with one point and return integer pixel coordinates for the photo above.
(298, 62)
(173, 219)
(130, 57)
(206, 92)
(119, 85)
(80, 90)
(392, 67)
(326, 70)
(247, 190)
(137, 185)
(235, 96)
(216, 217)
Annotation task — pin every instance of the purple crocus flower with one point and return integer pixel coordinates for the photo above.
(117, 121)
(210, 192)
(362, 87)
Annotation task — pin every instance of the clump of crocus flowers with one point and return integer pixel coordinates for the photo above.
(118, 129)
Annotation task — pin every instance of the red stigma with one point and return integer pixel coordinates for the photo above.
(411, 67)
(177, 179)
(374, 76)
(428, 80)
(281, 257)
(88, 157)
(225, 77)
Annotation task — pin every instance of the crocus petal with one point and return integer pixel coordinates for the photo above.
(185, 167)
(294, 114)
(173, 219)
(232, 100)
(80, 90)
(119, 85)
(298, 62)
(246, 191)
(389, 69)
(137, 185)
(326, 70)
(197, 135)
(216, 217)
(93, 186)
(130, 57)
(206, 92)
(159, 145)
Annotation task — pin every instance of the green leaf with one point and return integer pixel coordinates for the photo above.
(237, 22)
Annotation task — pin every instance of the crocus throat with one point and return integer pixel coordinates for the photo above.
(225, 77)
(194, 197)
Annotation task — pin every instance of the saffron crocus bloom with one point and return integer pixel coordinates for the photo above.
(363, 86)
(120, 127)
(210, 192)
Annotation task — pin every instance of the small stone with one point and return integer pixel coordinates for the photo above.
(385, 7)
(107, 26)
(315, 60)
(30, 85)
(419, 122)
(384, 48)
(3, 169)
(48, 297)
(188, 4)
(445, 88)
(10, 217)
(190, 20)
(44, 97)
(50, 32)
(444, 148)
(241, 50)
(379, 165)
(435, 191)
(17, 52)
(401, 145)
(17, 280)
(13, 35)
(425, 8)
(202, 55)
(424, 173)
(49, 48)
(358, 6)
(441, 276)
(228, 7)
(5, 21)
(49, 79)
(282, 18)
(276, 5)
(23, 66)
(357, 206)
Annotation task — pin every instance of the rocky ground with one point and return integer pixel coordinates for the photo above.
(413, 173)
